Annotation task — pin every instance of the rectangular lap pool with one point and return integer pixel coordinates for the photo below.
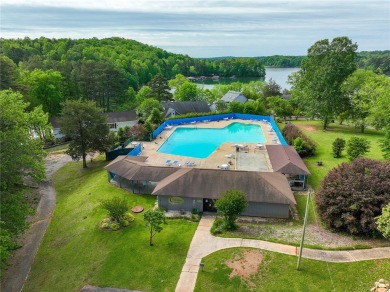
(201, 142)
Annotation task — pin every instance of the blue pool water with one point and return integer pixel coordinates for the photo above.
(201, 142)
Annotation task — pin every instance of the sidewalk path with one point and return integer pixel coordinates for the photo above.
(15, 276)
(203, 244)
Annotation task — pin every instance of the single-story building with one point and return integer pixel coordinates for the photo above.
(118, 120)
(115, 120)
(286, 160)
(268, 193)
(175, 108)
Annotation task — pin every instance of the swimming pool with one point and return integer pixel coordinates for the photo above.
(201, 142)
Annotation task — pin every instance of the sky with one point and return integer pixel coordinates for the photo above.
(207, 28)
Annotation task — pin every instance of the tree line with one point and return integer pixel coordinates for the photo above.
(106, 71)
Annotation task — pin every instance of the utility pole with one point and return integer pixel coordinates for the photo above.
(304, 228)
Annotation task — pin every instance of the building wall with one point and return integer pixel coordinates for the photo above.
(254, 209)
(122, 125)
(178, 203)
(267, 210)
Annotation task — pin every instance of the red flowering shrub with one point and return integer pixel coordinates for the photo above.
(353, 194)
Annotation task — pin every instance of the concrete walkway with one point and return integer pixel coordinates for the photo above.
(203, 244)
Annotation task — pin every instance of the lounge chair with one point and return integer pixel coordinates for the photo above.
(176, 163)
(168, 162)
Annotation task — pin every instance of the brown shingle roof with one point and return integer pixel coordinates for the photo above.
(128, 167)
(265, 187)
(285, 159)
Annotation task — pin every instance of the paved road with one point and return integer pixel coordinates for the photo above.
(14, 278)
(203, 244)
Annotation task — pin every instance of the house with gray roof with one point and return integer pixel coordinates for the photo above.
(234, 96)
(116, 120)
(175, 108)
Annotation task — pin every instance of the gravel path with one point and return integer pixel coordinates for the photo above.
(21, 261)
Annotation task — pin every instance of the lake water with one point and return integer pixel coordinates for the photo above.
(279, 75)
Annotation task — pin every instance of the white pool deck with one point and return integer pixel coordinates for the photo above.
(251, 158)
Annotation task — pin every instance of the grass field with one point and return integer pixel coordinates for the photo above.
(75, 252)
(324, 140)
(277, 272)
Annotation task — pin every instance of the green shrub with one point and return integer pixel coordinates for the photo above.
(116, 207)
(304, 145)
(230, 205)
(338, 147)
(128, 217)
(217, 227)
(124, 223)
(105, 225)
(357, 147)
(115, 226)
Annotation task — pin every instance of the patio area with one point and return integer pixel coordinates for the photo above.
(245, 156)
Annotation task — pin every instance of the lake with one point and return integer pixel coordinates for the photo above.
(279, 75)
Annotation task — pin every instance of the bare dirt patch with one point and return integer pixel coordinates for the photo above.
(308, 128)
(246, 264)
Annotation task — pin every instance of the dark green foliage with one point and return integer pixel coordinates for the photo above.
(230, 205)
(271, 88)
(116, 207)
(318, 83)
(156, 116)
(103, 70)
(357, 147)
(159, 88)
(304, 145)
(87, 126)
(338, 147)
(8, 73)
(353, 194)
(154, 218)
(21, 154)
(7, 244)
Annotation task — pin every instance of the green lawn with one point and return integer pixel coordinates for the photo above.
(324, 140)
(277, 272)
(75, 252)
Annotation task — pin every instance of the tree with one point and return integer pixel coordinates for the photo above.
(360, 91)
(87, 127)
(46, 88)
(353, 194)
(159, 88)
(318, 83)
(230, 205)
(21, 162)
(186, 92)
(357, 147)
(147, 106)
(116, 207)
(156, 116)
(154, 218)
(21, 154)
(271, 89)
(338, 147)
(383, 222)
(8, 73)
